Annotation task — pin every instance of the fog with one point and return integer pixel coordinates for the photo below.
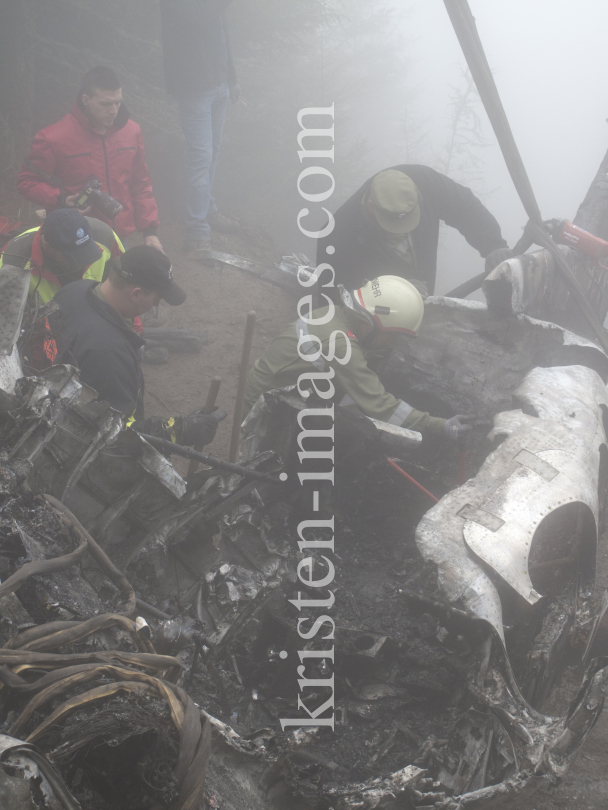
(549, 57)
(550, 63)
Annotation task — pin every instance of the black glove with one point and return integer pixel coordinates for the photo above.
(553, 227)
(197, 428)
(497, 256)
(458, 429)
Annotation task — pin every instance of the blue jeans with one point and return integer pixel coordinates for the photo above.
(202, 118)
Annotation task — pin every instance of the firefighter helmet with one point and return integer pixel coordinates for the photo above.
(393, 303)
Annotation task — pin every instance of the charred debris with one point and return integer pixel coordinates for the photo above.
(149, 644)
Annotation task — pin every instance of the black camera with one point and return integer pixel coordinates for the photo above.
(92, 195)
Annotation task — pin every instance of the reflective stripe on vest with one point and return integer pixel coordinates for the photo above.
(46, 289)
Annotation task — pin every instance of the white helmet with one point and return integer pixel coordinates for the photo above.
(393, 303)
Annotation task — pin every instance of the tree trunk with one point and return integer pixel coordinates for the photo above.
(16, 92)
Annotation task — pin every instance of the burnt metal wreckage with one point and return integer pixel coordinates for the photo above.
(149, 644)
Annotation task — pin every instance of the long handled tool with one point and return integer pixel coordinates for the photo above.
(214, 389)
(240, 391)
(413, 481)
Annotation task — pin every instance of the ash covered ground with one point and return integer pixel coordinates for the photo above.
(586, 785)
(404, 661)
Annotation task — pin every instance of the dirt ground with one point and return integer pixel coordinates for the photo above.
(586, 786)
(218, 304)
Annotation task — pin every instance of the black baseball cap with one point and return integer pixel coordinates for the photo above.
(148, 267)
(67, 230)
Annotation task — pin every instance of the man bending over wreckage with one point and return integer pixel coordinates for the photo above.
(95, 328)
(372, 318)
(392, 224)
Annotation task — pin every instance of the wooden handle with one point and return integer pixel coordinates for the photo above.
(240, 391)
(214, 390)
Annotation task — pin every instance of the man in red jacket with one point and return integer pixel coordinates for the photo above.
(97, 138)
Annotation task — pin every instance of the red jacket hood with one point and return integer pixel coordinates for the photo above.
(72, 151)
(85, 122)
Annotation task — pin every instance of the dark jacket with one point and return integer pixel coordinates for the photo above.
(196, 46)
(94, 338)
(72, 151)
(358, 257)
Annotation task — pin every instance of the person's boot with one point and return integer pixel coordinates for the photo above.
(199, 250)
(156, 316)
(176, 340)
(223, 224)
(155, 354)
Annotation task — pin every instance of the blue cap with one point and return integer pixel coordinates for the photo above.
(67, 230)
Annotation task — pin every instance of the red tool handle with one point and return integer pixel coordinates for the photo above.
(462, 467)
(582, 240)
(412, 480)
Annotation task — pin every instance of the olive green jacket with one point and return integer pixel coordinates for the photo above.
(321, 348)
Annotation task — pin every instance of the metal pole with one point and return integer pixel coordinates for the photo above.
(240, 391)
(188, 452)
(466, 31)
(214, 389)
(464, 25)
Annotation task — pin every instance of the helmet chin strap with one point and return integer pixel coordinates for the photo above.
(358, 315)
(366, 341)
(354, 308)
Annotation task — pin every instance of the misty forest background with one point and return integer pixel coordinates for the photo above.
(289, 55)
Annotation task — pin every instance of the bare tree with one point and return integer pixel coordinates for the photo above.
(307, 53)
(461, 156)
(415, 138)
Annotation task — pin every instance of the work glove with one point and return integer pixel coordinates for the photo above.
(458, 429)
(497, 256)
(553, 227)
(197, 428)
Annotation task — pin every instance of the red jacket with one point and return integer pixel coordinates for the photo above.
(72, 151)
